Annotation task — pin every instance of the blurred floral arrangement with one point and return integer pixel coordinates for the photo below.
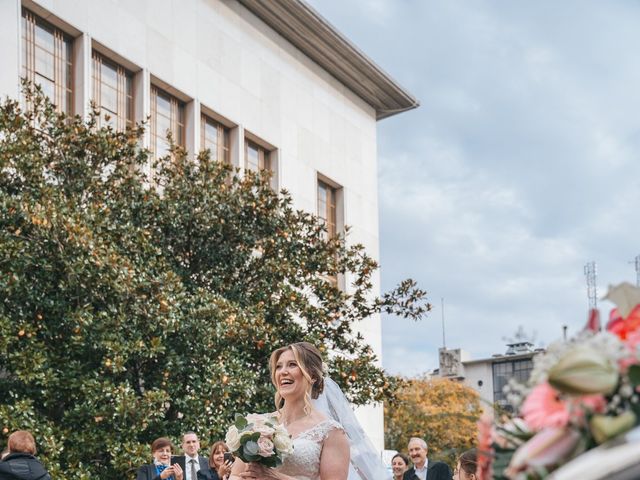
(581, 393)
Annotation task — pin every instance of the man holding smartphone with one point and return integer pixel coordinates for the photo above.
(195, 467)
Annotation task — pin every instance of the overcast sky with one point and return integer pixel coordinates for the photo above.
(521, 165)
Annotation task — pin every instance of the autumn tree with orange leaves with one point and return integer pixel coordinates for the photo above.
(442, 412)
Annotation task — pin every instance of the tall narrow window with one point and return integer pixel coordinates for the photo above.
(256, 157)
(112, 92)
(328, 213)
(215, 137)
(46, 60)
(167, 115)
(327, 207)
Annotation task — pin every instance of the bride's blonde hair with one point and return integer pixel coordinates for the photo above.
(309, 360)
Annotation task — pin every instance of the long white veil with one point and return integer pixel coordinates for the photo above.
(365, 460)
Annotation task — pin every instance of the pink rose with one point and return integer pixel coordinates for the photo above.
(265, 447)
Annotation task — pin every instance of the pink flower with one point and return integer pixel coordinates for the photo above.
(265, 447)
(590, 403)
(544, 408)
(547, 448)
(485, 448)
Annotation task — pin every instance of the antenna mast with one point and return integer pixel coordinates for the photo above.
(591, 275)
(444, 344)
(636, 262)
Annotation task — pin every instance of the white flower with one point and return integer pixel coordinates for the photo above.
(264, 430)
(232, 439)
(604, 342)
(256, 419)
(283, 442)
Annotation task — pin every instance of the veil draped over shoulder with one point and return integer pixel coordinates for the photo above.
(365, 460)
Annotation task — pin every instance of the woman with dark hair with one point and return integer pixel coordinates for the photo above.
(161, 468)
(219, 467)
(399, 465)
(466, 467)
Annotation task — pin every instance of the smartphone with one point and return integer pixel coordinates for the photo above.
(228, 457)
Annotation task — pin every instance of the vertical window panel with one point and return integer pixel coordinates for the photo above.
(215, 137)
(167, 115)
(256, 157)
(112, 92)
(327, 211)
(47, 60)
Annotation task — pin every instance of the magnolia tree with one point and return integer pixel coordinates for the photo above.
(138, 302)
(440, 411)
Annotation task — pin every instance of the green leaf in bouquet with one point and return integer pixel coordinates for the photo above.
(240, 422)
(634, 375)
(250, 451)
(246, 437)
(501, 460)
(271, 462)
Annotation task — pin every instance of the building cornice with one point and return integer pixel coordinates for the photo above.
(314, 36)
(503, 358)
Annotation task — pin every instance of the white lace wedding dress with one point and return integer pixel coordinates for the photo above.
(304, 462)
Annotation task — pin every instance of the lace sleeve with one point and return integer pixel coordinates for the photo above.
(320, 432)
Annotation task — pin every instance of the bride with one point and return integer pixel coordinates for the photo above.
(321, 447)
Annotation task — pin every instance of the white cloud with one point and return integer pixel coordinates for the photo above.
(521, 165)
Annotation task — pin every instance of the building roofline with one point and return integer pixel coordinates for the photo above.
(314, 36)
(503, 358)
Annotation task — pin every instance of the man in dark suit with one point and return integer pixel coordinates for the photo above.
(194, 466)
(422, 468)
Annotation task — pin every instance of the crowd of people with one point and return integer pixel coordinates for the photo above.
(323, 448)
(416, 465)
(189, 466)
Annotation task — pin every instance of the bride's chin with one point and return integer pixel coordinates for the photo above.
(288, 395)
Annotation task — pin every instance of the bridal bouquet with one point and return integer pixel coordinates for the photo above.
(259, 438)
(581, 393)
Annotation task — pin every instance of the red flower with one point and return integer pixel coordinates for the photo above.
(622, 327)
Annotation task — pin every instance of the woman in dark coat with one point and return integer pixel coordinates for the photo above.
(161, 468)
(21, 463)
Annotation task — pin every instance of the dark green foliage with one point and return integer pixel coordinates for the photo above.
(137, 302)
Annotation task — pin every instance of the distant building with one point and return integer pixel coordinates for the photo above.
(488, 376)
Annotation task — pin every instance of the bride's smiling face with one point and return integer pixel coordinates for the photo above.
(289, 378)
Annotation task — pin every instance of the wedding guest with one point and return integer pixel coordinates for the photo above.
(220, 468)
(422, 468)
(161, 468)
(194, 466)
(466, 467)
(21, 463)
(399, 465)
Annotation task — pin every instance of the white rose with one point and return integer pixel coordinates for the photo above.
(256, 419)
(280, 429)
(265, 430)
(232, 439)
(283, 442)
